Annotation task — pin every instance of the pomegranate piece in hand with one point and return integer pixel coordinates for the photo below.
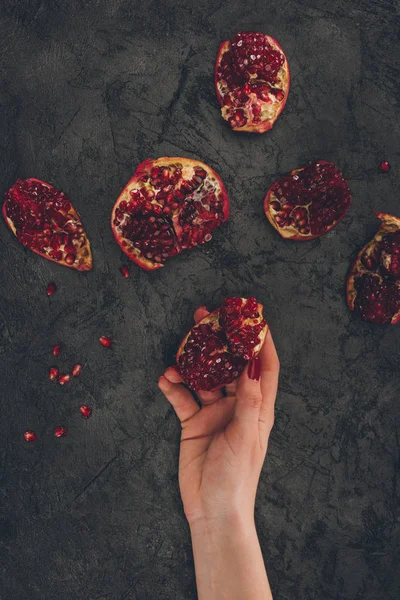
(44, 220)
(308, 202)
(251, 81)
(373, 284)
(216, 350)
(169, 205)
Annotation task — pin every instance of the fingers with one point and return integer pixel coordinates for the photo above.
(179, 397)
(200, 313)
(248, 393)
(269, 379)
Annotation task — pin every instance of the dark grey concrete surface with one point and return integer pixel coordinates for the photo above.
(90, 89)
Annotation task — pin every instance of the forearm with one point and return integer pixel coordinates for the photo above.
(228, 561)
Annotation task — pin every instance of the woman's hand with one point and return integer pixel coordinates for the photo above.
(223, 444)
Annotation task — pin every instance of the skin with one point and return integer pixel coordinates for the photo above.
(223, 446)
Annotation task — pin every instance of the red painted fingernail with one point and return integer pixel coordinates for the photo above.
(254, 369)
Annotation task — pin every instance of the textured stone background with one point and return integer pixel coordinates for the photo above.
(89, 90)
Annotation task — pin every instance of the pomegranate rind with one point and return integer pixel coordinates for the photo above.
(145, 168)
(213, 319)
(289, 232)
(266, 124)
(84, 258)
(389, 224)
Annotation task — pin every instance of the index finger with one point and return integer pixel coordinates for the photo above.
(269, 378)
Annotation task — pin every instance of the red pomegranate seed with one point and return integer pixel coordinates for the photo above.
(30, 436)
(60, 431)
(56, 350)
(124, 271)
(85, 411)
(63, 379)
(105, 341)
(77, 370)
(51, 288)
(385, 166)
(53, 373)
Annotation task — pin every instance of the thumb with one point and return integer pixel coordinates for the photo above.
(248, 393)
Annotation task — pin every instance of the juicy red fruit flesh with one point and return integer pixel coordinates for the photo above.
(385, 166)
(377, 301)
(213, 356)
(105, 341)
(51, 288)
(86, 411)
(30, 436)
(56, 350)
(60, 431)
(309, 201)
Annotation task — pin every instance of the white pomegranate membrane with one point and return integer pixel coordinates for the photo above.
(170, 205)
(216, 350)
(252, 81)
(373, 288)
(308, 202)
(44, 220)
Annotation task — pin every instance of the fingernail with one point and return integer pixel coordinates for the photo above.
(254, 369)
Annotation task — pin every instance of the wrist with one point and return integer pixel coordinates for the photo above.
(232, 525)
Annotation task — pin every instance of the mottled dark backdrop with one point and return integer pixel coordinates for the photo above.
(90, 89)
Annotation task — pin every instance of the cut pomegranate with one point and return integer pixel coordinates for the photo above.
(63, 379)
(53, 373)
(124, 271)
(76, 370)
(373, 284)
(60, 431)
(56, 350)
(51, 288)
(86, 411)
(308, 202)
(30, 436)
(44, 220)
(105, 341)
(385, 166)
(216, 349)
(251, 81)
(169, 205)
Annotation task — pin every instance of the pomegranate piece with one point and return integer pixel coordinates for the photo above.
(373, 284)
(51, 288)
(56, 350)
(43, 219)
(216, 350)
(385, 166)
(63, 379)
(76, 370)
(60, 431)
(251, 81)
(105, 341)
(53, 373)
(30, 436)
(86, 411)
(124, 271)
(308, 202)
(169, 205)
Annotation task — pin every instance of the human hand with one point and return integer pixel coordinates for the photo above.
(223, 444)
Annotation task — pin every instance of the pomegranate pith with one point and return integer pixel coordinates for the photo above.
(169, 205)
(373, 284)
(251, 81)
(216, 350)
(308, 202)
(30, 436)
(44, 220)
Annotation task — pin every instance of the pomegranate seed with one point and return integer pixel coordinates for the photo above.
(105, 341)
(63, 379)
(124, 271)
(85, 411)
(30, 436)
(385, 166)
(53, 373)
(56, 350)
(77, 370)
(51, 288)
(60, 431)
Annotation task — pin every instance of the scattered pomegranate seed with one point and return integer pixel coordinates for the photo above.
(124, 271)
(105, 341)
(56, 350)
(60, 431)
(51, 288)
(53, 373)
(85, 411)
(30, 436)
(77, 370)
(385, 166)
(63, 379)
